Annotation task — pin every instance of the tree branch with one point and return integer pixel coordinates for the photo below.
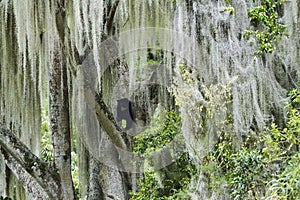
(111, 16)
(110, 126)
(32, 188)
(95, 102)
(42, 172)
(106, 119)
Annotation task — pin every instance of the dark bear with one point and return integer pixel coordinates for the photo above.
(124, 112)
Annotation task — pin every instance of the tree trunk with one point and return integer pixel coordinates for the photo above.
(60, 123)
(94, 190)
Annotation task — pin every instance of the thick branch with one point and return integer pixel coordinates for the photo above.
(32, 188)
(111, 16)
(95, 102)
(110, 126)
(43, 173)
(106, 119)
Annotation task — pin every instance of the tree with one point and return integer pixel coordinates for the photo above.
(71, 60)
(48, 180)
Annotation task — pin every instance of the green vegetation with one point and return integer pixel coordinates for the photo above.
(164, 128)
(46, 146)
(74, 162)
(185, 73)
(159, 185)
(75, 171)
(230, 9)
(169, 182)
(265, 25)
(267, 164)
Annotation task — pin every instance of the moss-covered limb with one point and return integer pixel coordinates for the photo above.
(96, 103)
(118, 137)
(32, 188)
(111, 16)
(109, 124)
(45, 175)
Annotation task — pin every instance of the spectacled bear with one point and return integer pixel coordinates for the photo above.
(124, 112)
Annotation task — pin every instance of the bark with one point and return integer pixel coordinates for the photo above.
(121, 140)
(71, 52)
(94, 190)
(110, 18)
(3, 174)
(60, 123)
(110, 126)
(106, 183)
(32, 188)
(104, 115)
(20, 159)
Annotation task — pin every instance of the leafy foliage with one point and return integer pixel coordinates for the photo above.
(230, 9)
(265, 25)
(75, 171)
(169, 182)
(74, 164)
(154, 187)
(286, 185)
(266, 168)
(162, 131)
(47, 148)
